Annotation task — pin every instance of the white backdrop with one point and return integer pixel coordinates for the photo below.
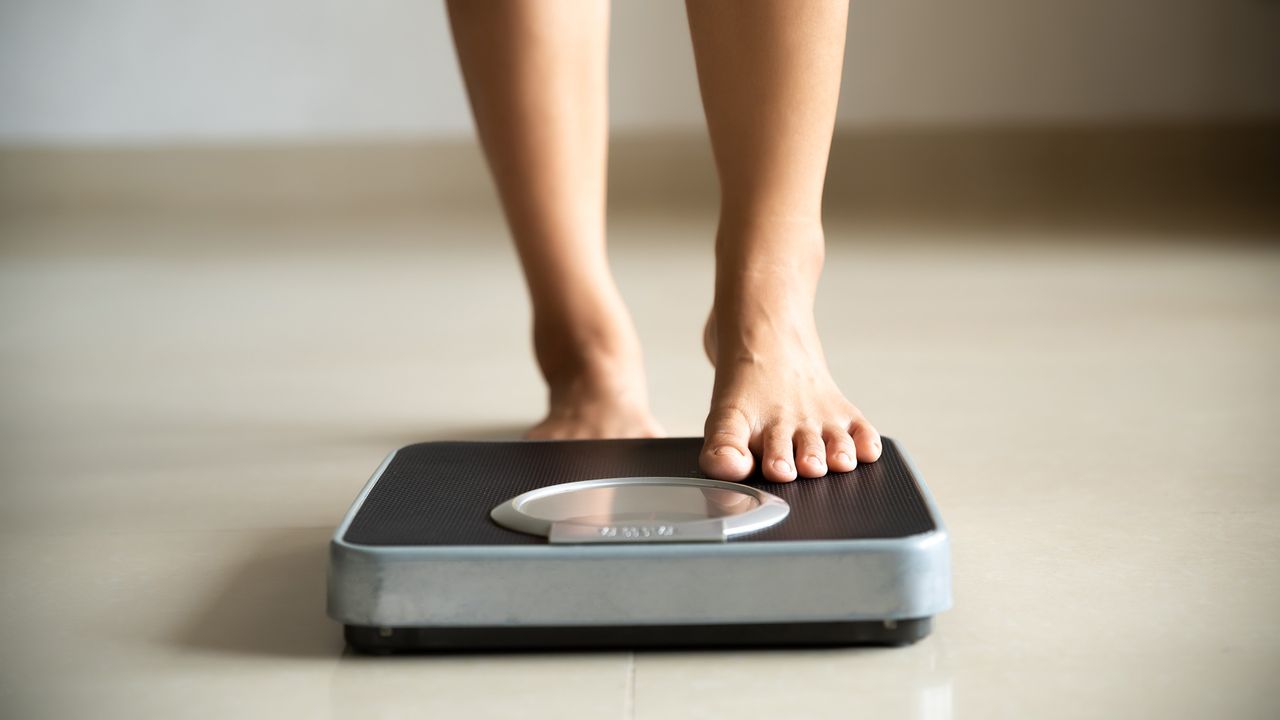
(158, 71)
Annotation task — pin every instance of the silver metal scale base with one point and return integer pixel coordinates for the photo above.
(623, 543)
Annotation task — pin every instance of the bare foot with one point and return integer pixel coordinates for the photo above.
(774, 400)
(595, 377)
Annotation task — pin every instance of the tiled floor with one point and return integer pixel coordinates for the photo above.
(188, 405)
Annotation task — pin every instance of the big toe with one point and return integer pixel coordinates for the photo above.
(725, 453)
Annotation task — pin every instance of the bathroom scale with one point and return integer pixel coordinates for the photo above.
(626, 544)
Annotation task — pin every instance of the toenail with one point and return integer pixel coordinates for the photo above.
(726, 450)
(782, 466)
(815, 460)
(844, 457)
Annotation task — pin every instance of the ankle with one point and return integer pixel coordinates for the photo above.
(767, 275)
(758, 335)
(564, 362)
(596, 348)
(760, 252)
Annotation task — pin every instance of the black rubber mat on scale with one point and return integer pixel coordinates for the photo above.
(441, 493)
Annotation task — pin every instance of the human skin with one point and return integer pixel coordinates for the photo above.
(769, 71)
(536, 73)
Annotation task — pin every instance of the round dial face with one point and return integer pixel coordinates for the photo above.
(609, 505)
(640, 509)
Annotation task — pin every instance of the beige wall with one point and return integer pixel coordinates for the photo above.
(155, 71)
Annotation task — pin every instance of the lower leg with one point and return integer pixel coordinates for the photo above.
(536, 75)
(770, 77)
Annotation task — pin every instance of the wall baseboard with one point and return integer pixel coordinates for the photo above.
(1159, 176)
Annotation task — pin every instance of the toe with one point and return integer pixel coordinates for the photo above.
(866, 439)
(811, 454)
(841, 453)
(725, 452)
(777, 460)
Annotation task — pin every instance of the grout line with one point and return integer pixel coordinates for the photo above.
(629, 694)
